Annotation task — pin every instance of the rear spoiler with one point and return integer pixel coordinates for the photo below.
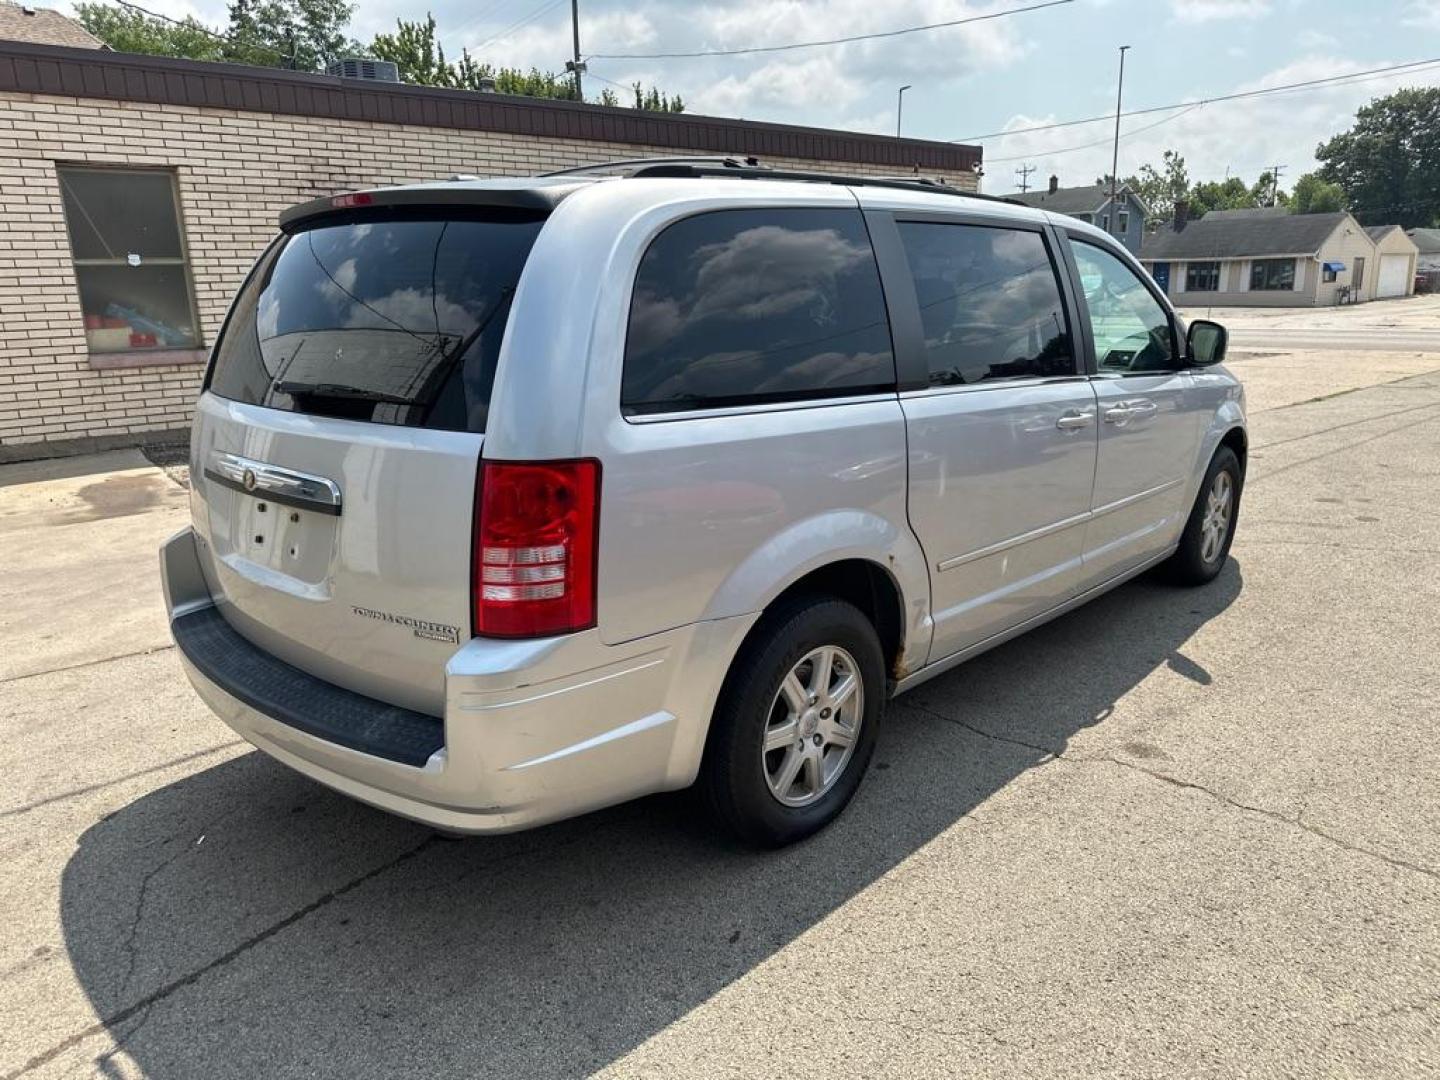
(536, 196)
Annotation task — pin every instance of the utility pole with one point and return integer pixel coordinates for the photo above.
(1023, 172)
(900, 108)
(1115, 155)
(575, 65)
(1275, 171)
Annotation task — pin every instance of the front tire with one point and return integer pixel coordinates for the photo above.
(1205, 543)
(796, 722)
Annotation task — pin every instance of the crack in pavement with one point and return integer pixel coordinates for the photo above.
(134, 1009)
(1053, 755)
(1394, 1010)
(1391, 383)
(155, 997)
(85, 664)
(1266, 475)
(1341, 427)
(16, 811)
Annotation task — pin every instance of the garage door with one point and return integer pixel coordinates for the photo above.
(1394, 270)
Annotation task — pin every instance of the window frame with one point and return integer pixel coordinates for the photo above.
(1255, 264)
(1088, 357)
(155, 354)
(755, 403)
(906, 327)
(1122, 220)
(1189, 269)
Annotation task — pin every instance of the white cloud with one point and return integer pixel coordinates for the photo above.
(1245, 136)
(1423, 13)
(1199, 11)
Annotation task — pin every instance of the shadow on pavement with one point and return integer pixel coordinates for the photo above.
(246, 922)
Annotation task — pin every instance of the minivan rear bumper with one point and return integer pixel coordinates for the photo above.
(533, 731)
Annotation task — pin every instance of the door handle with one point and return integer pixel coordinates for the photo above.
(1073, 420)
(1119, 414)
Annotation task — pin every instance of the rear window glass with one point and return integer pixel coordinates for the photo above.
(738, 307)
(390, 321)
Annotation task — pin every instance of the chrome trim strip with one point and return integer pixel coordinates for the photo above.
(1014, 541)
(285, 486)
(998, 384)
(751, 410)
(1054, 527)
(1129, 500)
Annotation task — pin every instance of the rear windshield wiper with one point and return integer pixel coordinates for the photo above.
(340, 390)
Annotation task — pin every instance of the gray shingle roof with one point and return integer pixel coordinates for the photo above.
(1377, 232)
(1427, 240)
(1068, 200)
(1240, 236)
(43, 26)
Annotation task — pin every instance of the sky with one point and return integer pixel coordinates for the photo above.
(1034, 68)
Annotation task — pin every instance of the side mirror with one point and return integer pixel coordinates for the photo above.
(1205, 343)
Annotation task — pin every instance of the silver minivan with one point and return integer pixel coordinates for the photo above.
(513, 499)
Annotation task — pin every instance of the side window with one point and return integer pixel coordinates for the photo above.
(737, 307)
(1131, 328)
(990, 304)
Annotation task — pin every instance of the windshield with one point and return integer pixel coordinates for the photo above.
(386, 320)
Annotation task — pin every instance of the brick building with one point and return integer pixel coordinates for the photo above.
(136, 191)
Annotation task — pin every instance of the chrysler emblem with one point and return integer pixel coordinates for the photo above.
(248, 480)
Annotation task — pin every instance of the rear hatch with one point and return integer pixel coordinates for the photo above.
(337, 440)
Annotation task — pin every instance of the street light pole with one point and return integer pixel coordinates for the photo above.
(900, 108)
(1115, 156)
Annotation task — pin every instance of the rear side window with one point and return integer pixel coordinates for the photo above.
(391, 321)
(740, 307)
(990, 303)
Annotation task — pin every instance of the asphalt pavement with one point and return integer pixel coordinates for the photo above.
(1177, 833)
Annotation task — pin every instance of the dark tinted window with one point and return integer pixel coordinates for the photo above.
(392, 321)
(743, 306)
(990, 304)
(1272, 275)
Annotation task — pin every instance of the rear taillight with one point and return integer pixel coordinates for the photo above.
(534, 547)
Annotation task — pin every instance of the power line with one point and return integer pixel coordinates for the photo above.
(1091, 145)
(827, 41)
(1353, 76)
(543, 9)
(195, 24)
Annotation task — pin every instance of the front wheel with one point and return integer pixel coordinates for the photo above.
(1211, 528)
(796, 722)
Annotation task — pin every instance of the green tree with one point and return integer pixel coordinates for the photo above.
(1388, 163)
(304, 34)
(1232, 193)
(416, 51)
(1161, 188)
(126, 30)
(1312, 195)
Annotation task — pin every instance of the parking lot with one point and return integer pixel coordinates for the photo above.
(1175, 833)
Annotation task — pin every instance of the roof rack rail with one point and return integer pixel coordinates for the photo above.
(677, 167)
(622, 164)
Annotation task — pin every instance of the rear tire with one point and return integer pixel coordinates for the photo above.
(1205, 543)
(796, 722)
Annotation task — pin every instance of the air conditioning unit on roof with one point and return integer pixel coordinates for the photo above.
(356, 68)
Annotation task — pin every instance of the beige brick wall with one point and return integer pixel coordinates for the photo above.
(236, 172)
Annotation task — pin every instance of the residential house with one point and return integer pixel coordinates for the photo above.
(1269, 257)
(138, 190)
(1092, 204)
(1396, 256)
(43, 26)
(1427, 248)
